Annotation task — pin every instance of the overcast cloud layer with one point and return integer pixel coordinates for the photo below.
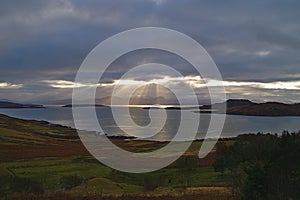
(255, 44)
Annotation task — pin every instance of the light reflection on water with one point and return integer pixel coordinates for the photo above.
(234, 124)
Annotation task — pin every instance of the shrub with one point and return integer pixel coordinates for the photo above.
(71, 181)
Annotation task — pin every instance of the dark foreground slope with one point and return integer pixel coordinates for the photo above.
(263, 166)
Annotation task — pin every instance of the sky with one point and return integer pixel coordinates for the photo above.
(255, 44)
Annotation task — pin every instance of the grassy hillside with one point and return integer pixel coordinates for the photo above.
(26, 139)
(38, 158)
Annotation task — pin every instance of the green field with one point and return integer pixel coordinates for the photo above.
(48, 173)
(38, 158)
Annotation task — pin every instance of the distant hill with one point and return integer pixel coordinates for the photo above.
(7, 104)
(247, 107)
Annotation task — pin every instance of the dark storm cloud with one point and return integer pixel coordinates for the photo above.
(48, 40)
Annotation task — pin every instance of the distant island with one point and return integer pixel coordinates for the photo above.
(247, 107)
(243, 107)
(7, 104)
(166, 108)
(83, 105)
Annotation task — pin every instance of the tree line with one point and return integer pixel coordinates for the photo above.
(262, 166)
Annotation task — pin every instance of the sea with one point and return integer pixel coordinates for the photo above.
(166, 126)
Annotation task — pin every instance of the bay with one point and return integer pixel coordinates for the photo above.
(234, 124)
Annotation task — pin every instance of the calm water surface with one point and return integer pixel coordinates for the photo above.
(234, 124)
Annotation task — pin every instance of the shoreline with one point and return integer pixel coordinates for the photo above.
(132, 138)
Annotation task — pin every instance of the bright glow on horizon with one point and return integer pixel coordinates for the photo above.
(62, 84)
(5, 85)
(289, 85)
(194, 81)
